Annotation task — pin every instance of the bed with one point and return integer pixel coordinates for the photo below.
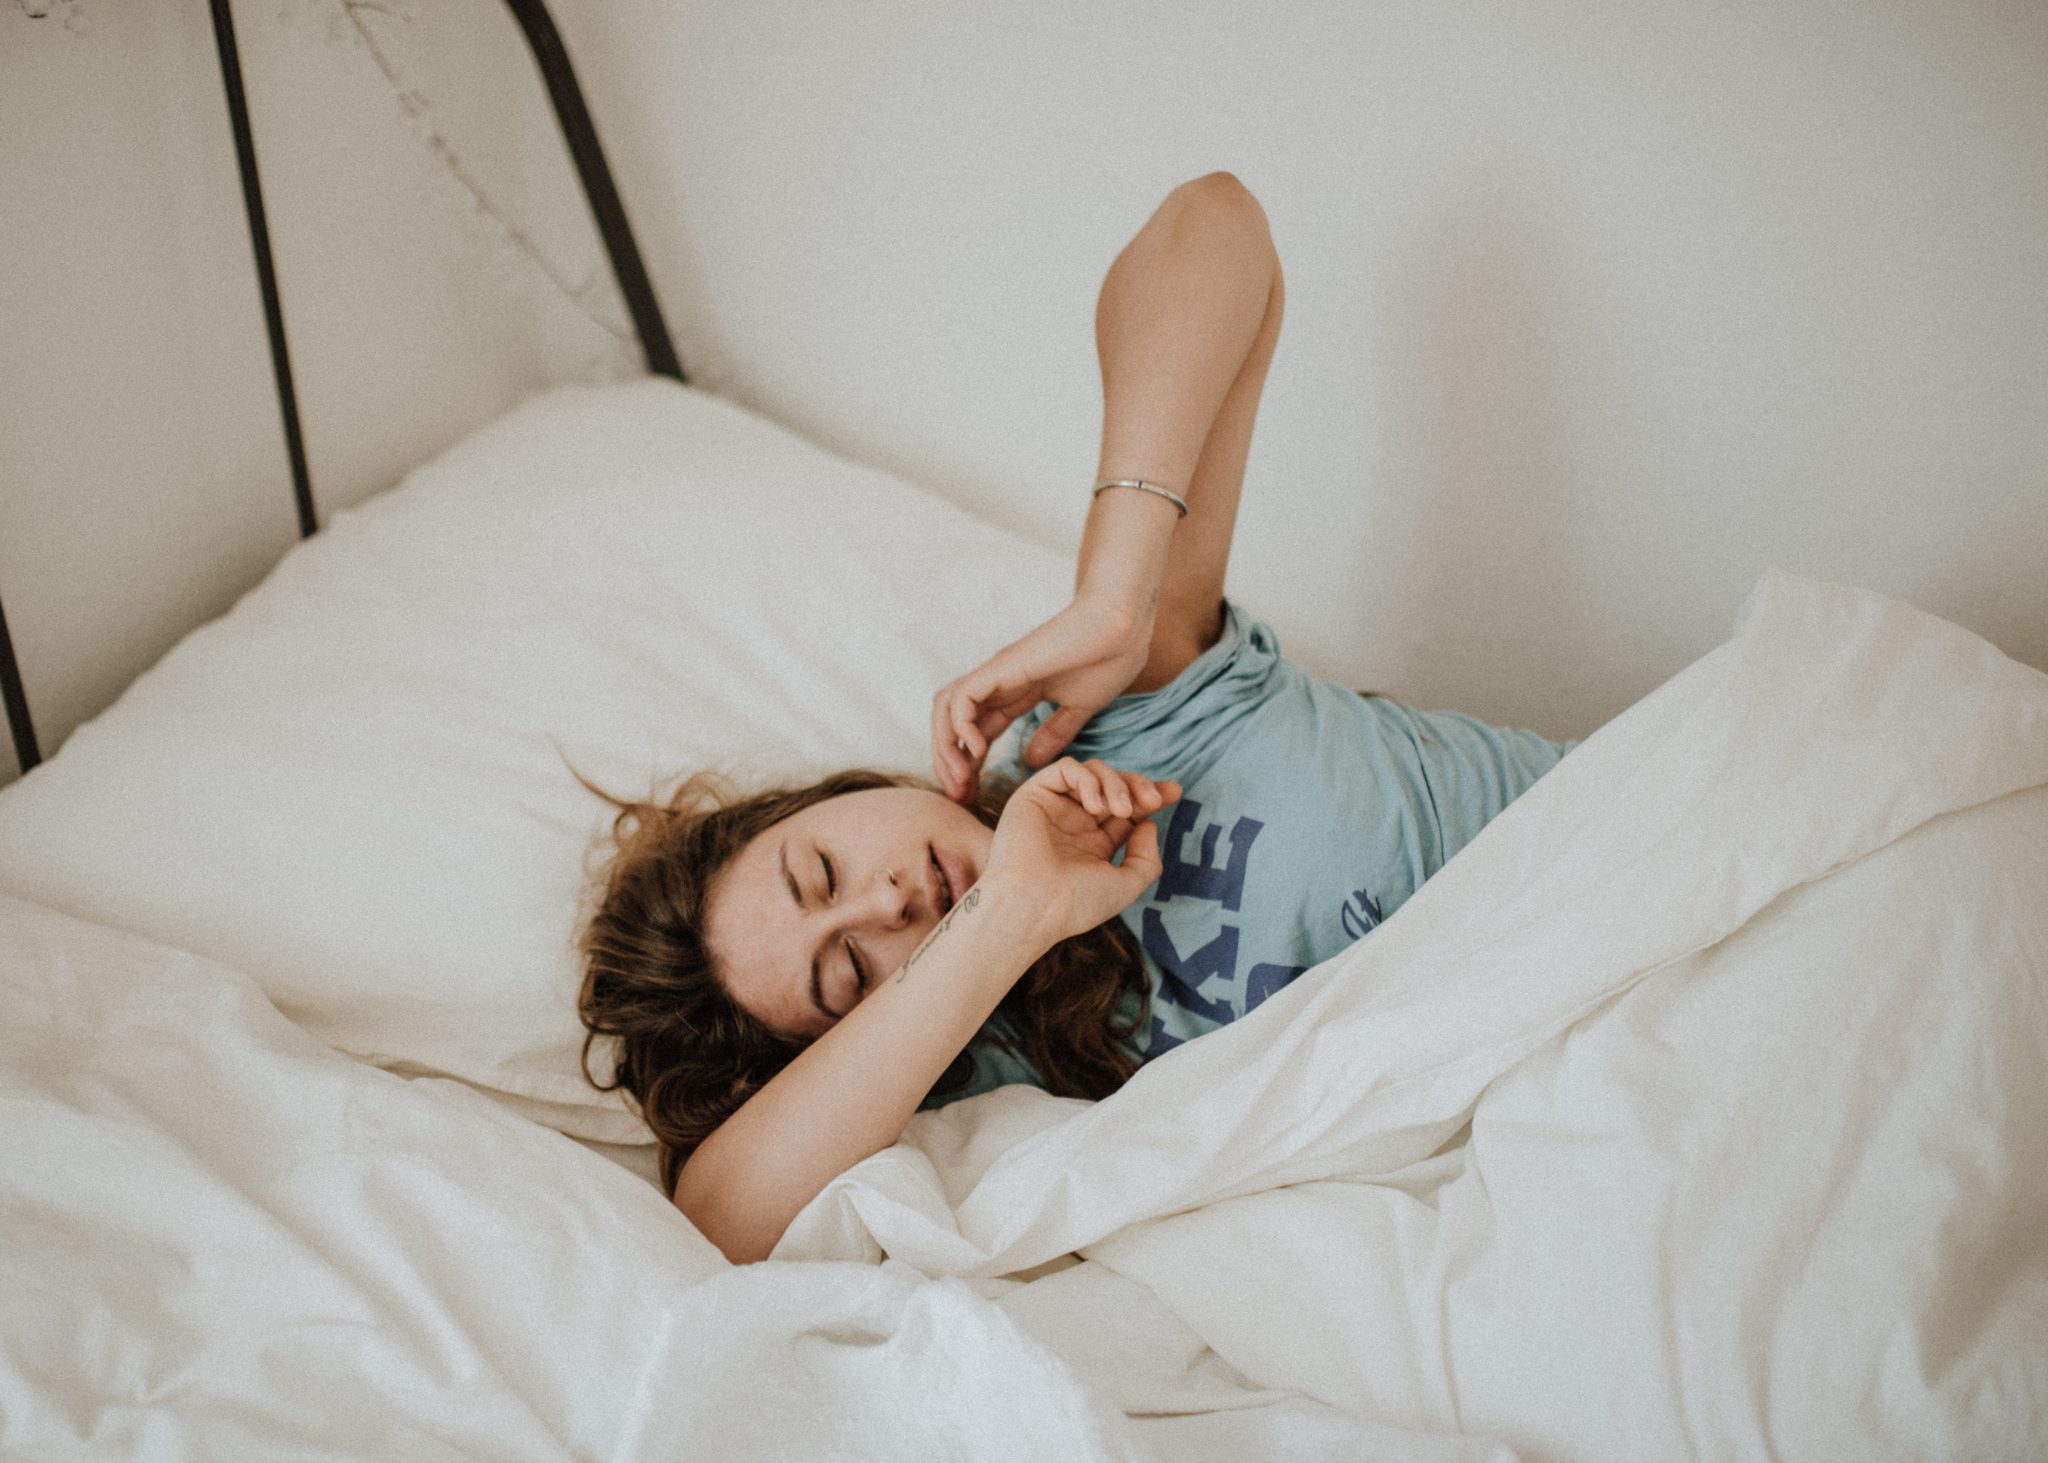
(1694, 1110)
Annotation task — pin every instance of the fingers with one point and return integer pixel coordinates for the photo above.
(1083, 783)
(970, 747)
(995, 718)
(951, 767)
(1142, 865)
(945, 761)
(961, 732)
(968, 715)
(1135, 796)
(1106, 793)
(1052, 737)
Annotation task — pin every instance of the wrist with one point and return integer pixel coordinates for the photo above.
(1120, 611)
(1016, 915)
(1122, 561)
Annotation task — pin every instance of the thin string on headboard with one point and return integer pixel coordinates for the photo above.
(578, 131)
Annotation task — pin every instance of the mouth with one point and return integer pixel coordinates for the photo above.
(942, 890)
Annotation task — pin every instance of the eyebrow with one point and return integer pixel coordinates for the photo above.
(796, 897)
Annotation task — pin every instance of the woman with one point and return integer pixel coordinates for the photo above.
(791, 976)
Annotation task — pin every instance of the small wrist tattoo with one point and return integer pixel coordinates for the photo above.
(967, 902)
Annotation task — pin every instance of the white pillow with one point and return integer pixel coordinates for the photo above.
(349, 785)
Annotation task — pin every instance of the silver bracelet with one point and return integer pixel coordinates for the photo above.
(1167, 493)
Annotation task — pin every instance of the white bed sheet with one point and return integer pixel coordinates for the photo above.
(221, 1240)
(1697, 1110)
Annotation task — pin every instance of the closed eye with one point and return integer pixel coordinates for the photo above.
(831, 878)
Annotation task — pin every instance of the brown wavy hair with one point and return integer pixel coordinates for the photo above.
(690, 1054)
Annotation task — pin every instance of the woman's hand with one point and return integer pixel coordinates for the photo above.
(1082, 658)
(1055, 838)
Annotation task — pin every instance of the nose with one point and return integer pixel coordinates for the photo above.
(888, 901)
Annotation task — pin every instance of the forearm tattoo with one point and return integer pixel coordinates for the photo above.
(967, 902)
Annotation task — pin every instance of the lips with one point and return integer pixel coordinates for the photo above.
(942, 887)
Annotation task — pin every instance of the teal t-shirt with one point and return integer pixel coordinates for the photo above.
(1308, 815)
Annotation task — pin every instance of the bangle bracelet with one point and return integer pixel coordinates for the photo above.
(1167, 493)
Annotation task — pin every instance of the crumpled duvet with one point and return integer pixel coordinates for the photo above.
(1695, 1110)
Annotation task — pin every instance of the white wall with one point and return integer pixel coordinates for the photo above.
(134, 363)
(143, 478)
(1594, 310)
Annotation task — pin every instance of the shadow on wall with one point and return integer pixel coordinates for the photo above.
(1492, 509)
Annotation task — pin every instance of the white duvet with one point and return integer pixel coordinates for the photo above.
(1698, 1109)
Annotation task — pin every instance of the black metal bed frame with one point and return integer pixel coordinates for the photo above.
(577, 131)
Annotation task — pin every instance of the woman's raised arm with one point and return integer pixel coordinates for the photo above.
(1185, 327)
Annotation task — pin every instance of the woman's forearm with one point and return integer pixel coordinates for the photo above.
(849, 1094)
(1180, 314)
(1185, 326)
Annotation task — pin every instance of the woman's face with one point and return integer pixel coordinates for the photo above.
(821, 908)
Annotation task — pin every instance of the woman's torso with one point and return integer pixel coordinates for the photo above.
(1309, 814)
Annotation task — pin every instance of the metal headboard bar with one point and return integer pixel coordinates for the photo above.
(566, 96)
(266, 270)
(578, 131)
(25, 751)
(581, 135)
